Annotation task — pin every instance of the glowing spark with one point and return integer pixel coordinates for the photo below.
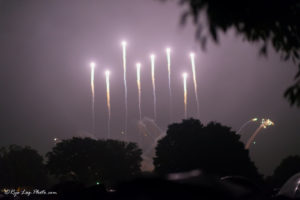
(168, 51)
(192, 56)
(152, 57)
(268, 122)
(254, 119)
(138, 80)
(264, 124)
(92, 65)
(56, 140)
(185, 94)
(107, 73)
(124, 44)
(246, 123)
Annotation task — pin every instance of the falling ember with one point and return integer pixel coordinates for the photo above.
(124, 44)
(192, 56)
(138, 81)
(92, 65)
(107, 73)
(264, 124)
(168, 51)
(185, 94)
(152, 57)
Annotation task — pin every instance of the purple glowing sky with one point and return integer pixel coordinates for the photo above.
(46, 47)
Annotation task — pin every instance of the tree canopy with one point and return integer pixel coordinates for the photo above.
(268, 22)
(21, 166)
(90, 161)
(213, 148)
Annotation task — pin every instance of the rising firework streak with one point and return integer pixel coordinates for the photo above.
(124, 44)
(107, 73)
(152, 57)
(192, 56)
(185, 94)
(168, 52)
(92, 65)
(138, 81)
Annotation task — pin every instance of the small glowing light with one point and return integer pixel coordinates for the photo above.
(168, 50)
(97, 183)
(92, 64)
(184, 75)
(254, 119)
(138, 65)
(152, 56)
(192, 54)
(107, 72)
(266, 122)
(56, 140)
(269, 122)
(254, 142)
(124, 43)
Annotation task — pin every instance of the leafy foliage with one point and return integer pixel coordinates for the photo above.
(90, 161)
(213, 148)
(21, 166)
(267, 22)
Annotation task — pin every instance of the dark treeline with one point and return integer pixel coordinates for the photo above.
(73, 164)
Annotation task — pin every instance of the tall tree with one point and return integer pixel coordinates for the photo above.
(213, 148)
(268, 22)
(91, 161)
(21, 166)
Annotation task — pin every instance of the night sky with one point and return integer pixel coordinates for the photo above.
(46, 47)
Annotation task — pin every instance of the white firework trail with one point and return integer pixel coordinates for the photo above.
(124, 44)
(168, 52)
(185, 94)
(92, 65)
(138, 81)
(152, 57)
(192, 56)
(107, 73)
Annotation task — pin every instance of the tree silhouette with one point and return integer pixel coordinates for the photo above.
(267, 22)
(21, 166)
(90, 161)
(286, 169)
(213, 148)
